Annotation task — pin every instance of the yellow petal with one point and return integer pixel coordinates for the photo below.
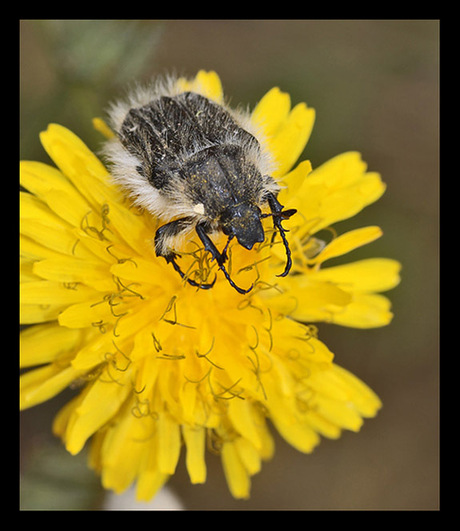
(301, 340)
(323, 426)
(195, 441)
(49, 238)
(40, 178)
(341, 414)
(30, 249)
(73, 270)
(210, 85)
(364, 399)
(287, 145)
(308, 300)
(363, 276)
(26, 273)
(336, 190)
(271, 111)
(39, 313)
(91, 242)
(51, 186)
(365, 311)
(119, 478)
(205, 83)
(144, 354)
(298, 435)
(340, 171)
(44, 343)
(136, 319)
(139, 270)
(95, 351)
(150, 478)
(268, 446)
(241, 414)
(39, 385)
(131, 227)
(94, 312)
(101, 402)
(32, 208)
(325, 384)
(100, 125)
(47, 292)
(235, 472)
(345, 203)
(124, 448)
(80, 165)
(341, 398)
(72, 208)
(168, 443)
(284, 413)
(348, 242)
(149, 483)
(38, 223)
(57, 135)
(43, 300)
(294, 181)
(249, 455)
(61, 420)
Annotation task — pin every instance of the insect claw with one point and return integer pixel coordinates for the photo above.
(242, 291)
(202, 286)
(238, 289)
(287, 268)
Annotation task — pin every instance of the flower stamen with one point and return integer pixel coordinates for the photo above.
(174, 321)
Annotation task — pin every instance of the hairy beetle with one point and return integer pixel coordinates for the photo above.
(195, 164)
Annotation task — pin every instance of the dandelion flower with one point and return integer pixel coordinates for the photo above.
(162, 367)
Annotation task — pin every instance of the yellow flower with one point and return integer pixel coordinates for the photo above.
(160, 364)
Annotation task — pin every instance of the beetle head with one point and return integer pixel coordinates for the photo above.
(243, 221)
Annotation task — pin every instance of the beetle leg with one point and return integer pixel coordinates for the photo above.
(278, 215)
(217, 256)
(162, 248)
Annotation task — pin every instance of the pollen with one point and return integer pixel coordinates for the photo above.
(198, 208)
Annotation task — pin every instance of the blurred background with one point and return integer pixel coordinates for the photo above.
(375, 87)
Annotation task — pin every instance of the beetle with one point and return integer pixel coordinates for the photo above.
(195, 164)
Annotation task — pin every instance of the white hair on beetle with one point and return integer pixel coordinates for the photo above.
(124, 172)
